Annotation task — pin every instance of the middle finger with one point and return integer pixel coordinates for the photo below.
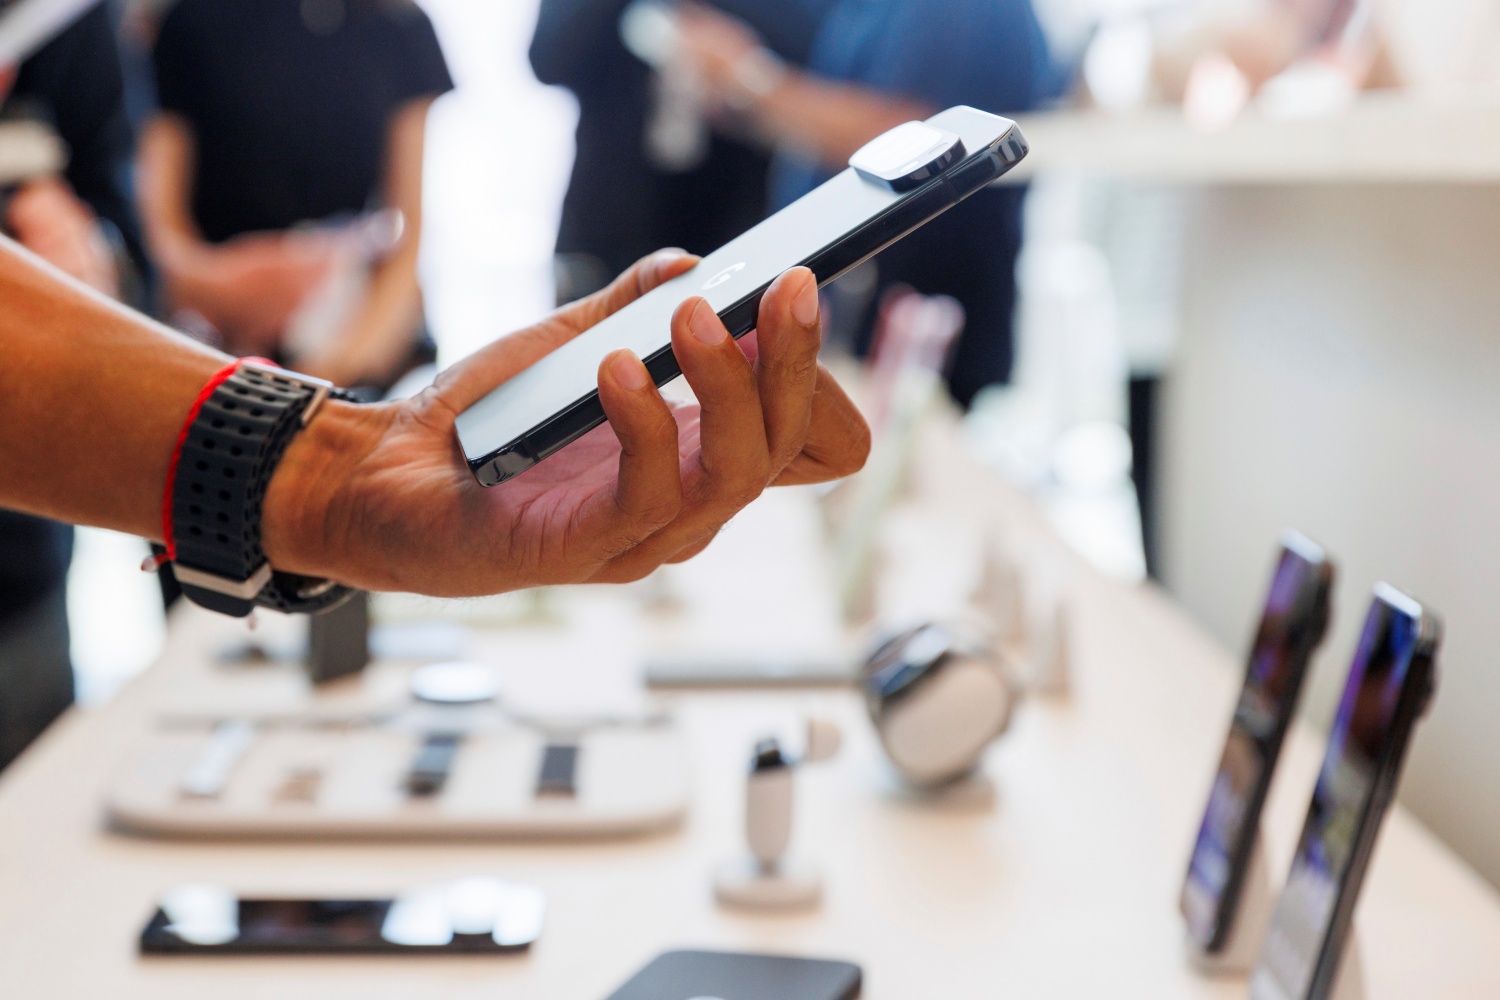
(731, 464)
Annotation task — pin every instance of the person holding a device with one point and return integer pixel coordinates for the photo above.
(894, 185)
(99, 406)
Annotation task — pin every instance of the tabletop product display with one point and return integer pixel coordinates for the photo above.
(1064, 885)
(340, 779)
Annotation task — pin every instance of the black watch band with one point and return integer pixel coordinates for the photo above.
(228, 454)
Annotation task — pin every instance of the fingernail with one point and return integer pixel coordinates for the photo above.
(706, 326)
(805, 305)
(666, 259)
(629, 371)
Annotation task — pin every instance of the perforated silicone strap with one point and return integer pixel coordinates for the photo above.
(226, 457)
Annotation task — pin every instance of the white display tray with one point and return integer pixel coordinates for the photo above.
(332, 780)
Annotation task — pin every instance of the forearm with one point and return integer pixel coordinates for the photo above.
(167, 160)
(827, 120)
(92, 397)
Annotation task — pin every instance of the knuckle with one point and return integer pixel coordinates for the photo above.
(625, 571)
(661, 511)
(741, 494)
(804, 367)
(855, 453)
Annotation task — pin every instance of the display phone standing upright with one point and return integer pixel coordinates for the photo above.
(897, 182)
(1292, 624)
(1390, 685)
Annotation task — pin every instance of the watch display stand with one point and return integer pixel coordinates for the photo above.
(322, 777)
(785, 884)
(338, 640)
(1048, 645)
(974, 792)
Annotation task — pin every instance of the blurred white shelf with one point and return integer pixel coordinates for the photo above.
(1383, 137)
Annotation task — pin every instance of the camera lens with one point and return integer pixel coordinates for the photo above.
(907, 156)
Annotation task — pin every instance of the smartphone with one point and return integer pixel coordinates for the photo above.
(902, 179)
(1391, 683)
(1293, 621)
(704, 975)
(466, 916)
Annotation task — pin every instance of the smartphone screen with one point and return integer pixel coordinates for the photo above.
(1292, 624)
(830, 229)
(1390, 683)
(469, 915)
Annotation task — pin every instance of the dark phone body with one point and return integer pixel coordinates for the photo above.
(1391, 683)
(332, 926)
(1293, 622)
(685, 975)
(831, 229)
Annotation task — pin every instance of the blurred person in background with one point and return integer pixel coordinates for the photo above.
(79, 219)
(876, 64)
(283, 173)
(645, 174)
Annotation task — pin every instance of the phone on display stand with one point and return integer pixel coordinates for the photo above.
(466, 916)
(1293, 622)
(720, 975)
(896, 183)
(1390, 686)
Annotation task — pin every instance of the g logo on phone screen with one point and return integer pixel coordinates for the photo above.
(723, 276)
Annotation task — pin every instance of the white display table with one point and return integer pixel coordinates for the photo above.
(1066, 888)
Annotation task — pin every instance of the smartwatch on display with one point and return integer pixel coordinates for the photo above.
(230, 446)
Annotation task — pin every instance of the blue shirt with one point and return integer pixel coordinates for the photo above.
(988, 54)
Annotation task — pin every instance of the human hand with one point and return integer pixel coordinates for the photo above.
(380, 496)
(716, 51)
(250, 286)
(48, 219)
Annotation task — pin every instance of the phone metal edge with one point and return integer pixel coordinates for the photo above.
(1320, 584)
(1377, 805)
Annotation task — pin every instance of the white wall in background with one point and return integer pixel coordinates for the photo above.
(1339, 372)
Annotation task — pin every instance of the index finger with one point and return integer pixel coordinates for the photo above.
(464, 384)
(788, 331)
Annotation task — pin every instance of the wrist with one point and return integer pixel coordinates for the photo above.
(305, 522)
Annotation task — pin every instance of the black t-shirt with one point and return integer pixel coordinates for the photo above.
(291, 102)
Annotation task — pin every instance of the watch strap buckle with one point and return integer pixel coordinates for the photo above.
(321, 387)
(244, 590)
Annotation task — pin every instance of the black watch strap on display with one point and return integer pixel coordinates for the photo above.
(228, 453)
